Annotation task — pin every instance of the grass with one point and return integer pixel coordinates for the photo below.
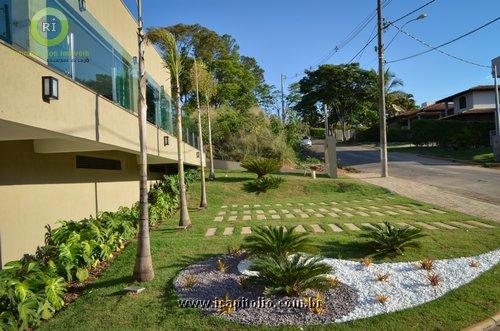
(483, 155)
(105, 306)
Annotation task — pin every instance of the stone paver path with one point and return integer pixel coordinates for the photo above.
(444, 226)
(481, 224)
(246, 230)
(426, 226)
(463, 225)
(352, 227)
(228, 231)
(335, 228)
(300, 229)
(210, 232)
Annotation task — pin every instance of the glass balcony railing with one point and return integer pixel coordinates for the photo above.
(70, 40)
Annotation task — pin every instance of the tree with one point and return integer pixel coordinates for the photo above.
(174, 62)
(143, 268)
(207, 87)
(346, 89)
(203, 193)
(394, 96)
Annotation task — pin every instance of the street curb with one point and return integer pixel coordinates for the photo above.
(485, 165)
(486, 324)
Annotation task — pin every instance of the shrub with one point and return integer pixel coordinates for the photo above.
(266, 183)
(390, 239)
(262, 166)
(451, 134)
(373, 135)
(318, 133)
(291, 276)
(382, 298)
(426, 264)
(32, 288)
(434, 279)
(276, 241)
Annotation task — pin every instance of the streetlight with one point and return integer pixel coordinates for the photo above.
(420, 17)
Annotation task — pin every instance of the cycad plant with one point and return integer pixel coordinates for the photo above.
(262, 166)
(276, 242)
(174, 62)
(291, 276)
(390, 239)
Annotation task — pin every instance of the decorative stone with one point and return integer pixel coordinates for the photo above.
(335, 228)
(210, 232)
(219, 219)
(317, 229)
(352, 227)
(246, 230)
(228, 231)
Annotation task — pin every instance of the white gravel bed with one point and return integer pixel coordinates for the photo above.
(407, 286)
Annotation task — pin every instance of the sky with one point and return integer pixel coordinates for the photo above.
(289, 36)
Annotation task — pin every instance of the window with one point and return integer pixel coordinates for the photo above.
(5, 20)
(462, 102)
(88, 162)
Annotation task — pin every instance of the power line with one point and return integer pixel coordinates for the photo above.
(436, 48)
(413, 11)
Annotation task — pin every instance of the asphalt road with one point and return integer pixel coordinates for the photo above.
(462, 179)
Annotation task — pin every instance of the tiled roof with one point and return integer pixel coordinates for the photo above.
(476, 111)
(475, 88)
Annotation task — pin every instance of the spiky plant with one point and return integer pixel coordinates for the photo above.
(276, 241)
(291, 276)
(390, 239)
(261, 167)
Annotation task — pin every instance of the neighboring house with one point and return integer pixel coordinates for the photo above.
(474, 104)
(428, 110)
(75, 155)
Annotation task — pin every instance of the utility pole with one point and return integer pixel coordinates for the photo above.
(283, 115)
(383, 131)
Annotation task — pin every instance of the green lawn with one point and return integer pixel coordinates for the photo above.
(105, 306)
(482, 155)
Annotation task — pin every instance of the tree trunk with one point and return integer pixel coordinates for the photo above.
(184, 214)
(344, 138)
(143, 269)
(203, 196)
(210, 147)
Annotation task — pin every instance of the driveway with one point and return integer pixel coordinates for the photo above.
(470, 181)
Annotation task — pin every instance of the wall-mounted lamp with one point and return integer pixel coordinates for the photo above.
(166, 140)
(50, 88)
(82, 4)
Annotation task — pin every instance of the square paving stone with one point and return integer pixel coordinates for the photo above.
(234, 213)
(334, 203)
(362, 208)
(272, 211)
(300, 204)
(362, 213)
(259, 212)
(368, 225)
(247, 217)
(297, 210)
(317, 229)
(426, 226)
(256, 206)
(318, 215)
(481, 224)
(234, 206)
(323, 210)
(228, 231)
(374, 207)
(221, 213)
(304, 215)
(233, 218)
(246, 206)
(224, 207)
(352, 227)
(275, 216)
(278, 204)
(284, 211)
(368, 200)
(422, 212)
(261, 217)
(333, 215)
(312, 204)
(348, 214)
(289, 216)
(444, 225)
(462, 224)
(376, 213)
(299, 228)
(390, 212)
(267, 205)
(388, 207)
(402, 224)
(247, 212)
(210, 232)
(335, 228)
(219, 219)
(336, 210)
(246, 230)
(437, 211)
(404, 211)
(311, 211)
(322, 203)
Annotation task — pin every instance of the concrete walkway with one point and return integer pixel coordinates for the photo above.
(431, 194)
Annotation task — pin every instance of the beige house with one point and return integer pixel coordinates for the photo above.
(68, 116)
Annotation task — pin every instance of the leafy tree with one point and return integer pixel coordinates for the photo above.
(394, 96)
(346, 89)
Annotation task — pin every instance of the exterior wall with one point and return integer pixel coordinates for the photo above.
(456, 103)
(79, 112)
(40, 189)
(484, 99)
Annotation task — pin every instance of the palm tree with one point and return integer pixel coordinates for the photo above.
(143, 269)
(203, 197)
(207, 88)
(174, 62)
(394, 96)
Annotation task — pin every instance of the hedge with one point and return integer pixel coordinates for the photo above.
(451, 134)
(317, 133)
(32, 289)
(372, 135)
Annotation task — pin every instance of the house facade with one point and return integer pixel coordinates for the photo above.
(69, 137)
(474, 104)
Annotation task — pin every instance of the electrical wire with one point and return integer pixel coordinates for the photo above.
(436, 48)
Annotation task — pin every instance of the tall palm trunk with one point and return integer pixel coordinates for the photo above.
(184, 221)
(203, 197)
(210, 146)
(143, 269)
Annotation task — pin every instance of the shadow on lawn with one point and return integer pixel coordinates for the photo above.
(346, 250)
(231, 179)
